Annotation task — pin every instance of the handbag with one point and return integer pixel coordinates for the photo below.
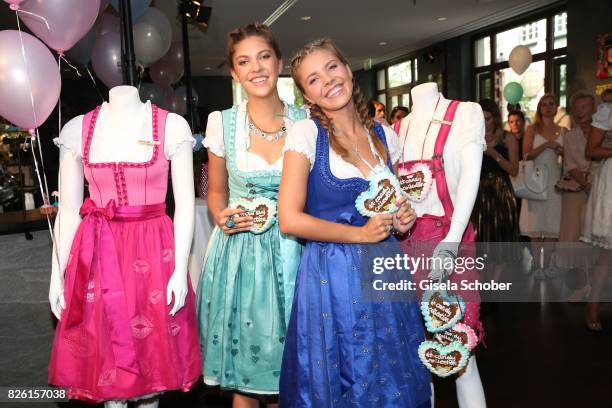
(531, 181)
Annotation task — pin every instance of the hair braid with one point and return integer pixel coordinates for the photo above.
(361, 106)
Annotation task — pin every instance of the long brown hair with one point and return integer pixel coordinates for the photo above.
(359, 100)
(250, 30)
(537, 123)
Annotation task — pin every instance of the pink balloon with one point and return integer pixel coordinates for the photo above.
(37, 76)
(106, 59)
(174, 57)
(69, 20)
(103, 5)
(161, 73)
(14, 4)
(175, 103)
(107, 23)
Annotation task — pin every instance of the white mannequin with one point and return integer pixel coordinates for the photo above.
(124, 105)
(462, 166)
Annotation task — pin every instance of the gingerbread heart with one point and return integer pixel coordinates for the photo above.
(443, 360)
(416, 181)
(441, 311)
(461, 333)
(261, 209)
(380, 198)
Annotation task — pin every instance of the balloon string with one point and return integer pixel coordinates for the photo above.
(45, 194)
(34, 140)
(95, 84)
(44, 188)
(63, 58)
(44, 20)
(59, 102)
(25, 61)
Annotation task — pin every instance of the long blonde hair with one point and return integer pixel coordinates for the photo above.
(359, 100)
(537, 123)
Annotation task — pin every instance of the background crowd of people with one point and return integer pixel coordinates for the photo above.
(573, 167)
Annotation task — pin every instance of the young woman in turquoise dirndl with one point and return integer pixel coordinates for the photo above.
(246, 288)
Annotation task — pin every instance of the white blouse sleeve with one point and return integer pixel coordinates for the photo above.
(70, 137)
(393, 144)
(302, 138)
(470, 119)
(602, 119)
(179, 133)
(213, 139)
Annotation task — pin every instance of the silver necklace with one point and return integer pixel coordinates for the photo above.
(270, 137)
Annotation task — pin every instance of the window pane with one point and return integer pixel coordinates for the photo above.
(483, 81)
(533, 35)
(482, 52)
(238, 93)
(532, 82)
(380, 80)
(560, 30)
(394, 103)
(416, 70)
(400, 74)
(382, 98)
(563, 85)
(286, 89)
(405, 100)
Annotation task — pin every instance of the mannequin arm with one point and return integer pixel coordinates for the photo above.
(67, 221)
(184, 215)
(467, 189)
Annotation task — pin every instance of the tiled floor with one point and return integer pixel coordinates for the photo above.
(537, 355)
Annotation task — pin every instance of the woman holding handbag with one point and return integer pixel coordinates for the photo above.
(543, 143)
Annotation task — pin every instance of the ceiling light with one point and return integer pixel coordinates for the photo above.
(279, 12)
(207, 68)
(382, 43)
(305, 18)
(441, 18)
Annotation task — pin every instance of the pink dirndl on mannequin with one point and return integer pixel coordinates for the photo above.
(116, 339)
(429, 229)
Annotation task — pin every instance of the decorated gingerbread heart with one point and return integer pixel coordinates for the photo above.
(443, 360)
(416, 181)
(441, 311)
(461, 333)
(261, 209)
(381, 197)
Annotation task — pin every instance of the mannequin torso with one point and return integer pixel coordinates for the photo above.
(112, 154)
(418, 143)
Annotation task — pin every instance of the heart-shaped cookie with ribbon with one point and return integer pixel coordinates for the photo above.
(440, 310)
(461, 333)
(443, 360)
(261, 209)
(416, 181)
(382, 195)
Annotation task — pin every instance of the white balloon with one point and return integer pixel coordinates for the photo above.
(532, 83)
(152, 36)
(520, 58)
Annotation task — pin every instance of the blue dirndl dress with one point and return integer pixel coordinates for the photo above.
(342, 350)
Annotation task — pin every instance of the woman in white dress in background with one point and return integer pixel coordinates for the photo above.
(597, 228)
(540, 220)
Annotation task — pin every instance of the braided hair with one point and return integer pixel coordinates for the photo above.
(359, 100)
